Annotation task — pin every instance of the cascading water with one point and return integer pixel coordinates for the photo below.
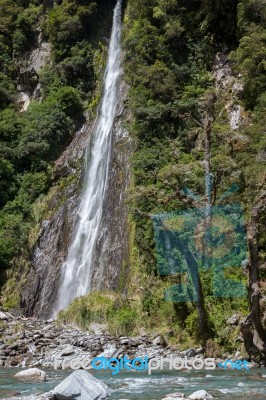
(76, 270)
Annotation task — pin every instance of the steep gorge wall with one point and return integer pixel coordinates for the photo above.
(111, 260)
(57, 230)
(56, 233)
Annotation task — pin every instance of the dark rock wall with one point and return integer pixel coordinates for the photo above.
(51, 249)
(111, 259)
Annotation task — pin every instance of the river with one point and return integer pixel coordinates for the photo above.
(226, 385)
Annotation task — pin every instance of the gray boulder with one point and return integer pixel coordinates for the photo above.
(200, 395)
(175, 396)
(3, 316)
(31, 375)
(98, 329)
(159, 341)
(46, 396)
(234, 320)
(81, 385)
(191, 353)
(67, 351)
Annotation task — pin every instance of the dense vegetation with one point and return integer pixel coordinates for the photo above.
(172, 44)
(170, 48)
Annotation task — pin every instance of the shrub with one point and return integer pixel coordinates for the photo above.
(13, 237)
(101, 307)
(7, 90)
(78, 69)
(7, 181)
(48, 129)
(124, 321)
(95, 307)
(24, 36)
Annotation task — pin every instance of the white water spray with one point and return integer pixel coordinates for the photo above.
(76, 270)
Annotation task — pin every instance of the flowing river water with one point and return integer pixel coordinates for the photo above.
(226, 385)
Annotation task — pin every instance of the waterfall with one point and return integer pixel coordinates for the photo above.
(76, 271)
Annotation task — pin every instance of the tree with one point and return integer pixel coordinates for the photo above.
(254, 326)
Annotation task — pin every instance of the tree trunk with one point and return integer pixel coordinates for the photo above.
(252, 328)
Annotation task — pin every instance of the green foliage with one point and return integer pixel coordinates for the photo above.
(7, 181)
(250, 57)
(13, 236)
(64, 31)
(6, 91)
(78, 68)
(124, 321)
(9, 10)
(48, 128)
(31, 185)
(101, 307)
(192, 324)
(71, 21)
(96, 307)
(24, 36)
(28, 144)
(172, 45)
(220, 14)
(172, 59)
(10, 125)
(250, 11)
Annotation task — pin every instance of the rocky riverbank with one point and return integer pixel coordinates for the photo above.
(27, 342)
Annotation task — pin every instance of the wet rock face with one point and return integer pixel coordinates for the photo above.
(50, 250)
(56, 234)
(111, 257)
(47, 257)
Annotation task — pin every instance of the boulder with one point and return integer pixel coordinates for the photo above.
(200, 395)
(98, 329)
(159, 341)
(200, 350)
(81, 385)
(191, 353)
(67, 351)
(175, 396)
(3, 316)
(21, 398)
(31, 375)
(234, 320)
(46, 396)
